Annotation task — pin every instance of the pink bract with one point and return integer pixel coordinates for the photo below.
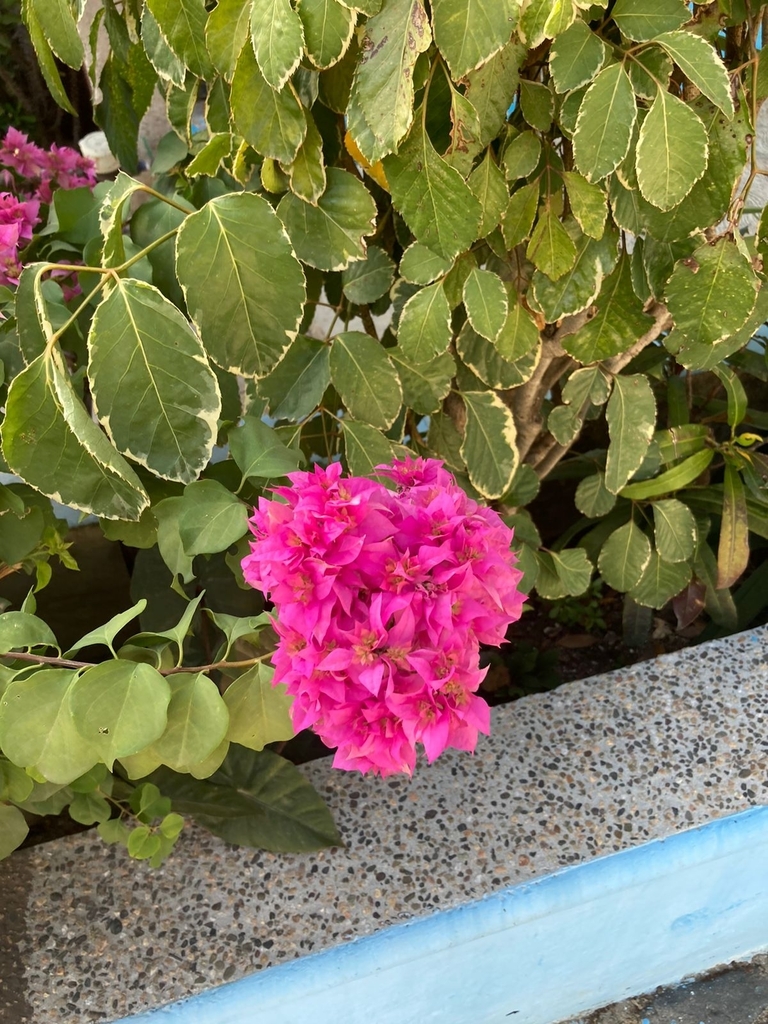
(383, 596)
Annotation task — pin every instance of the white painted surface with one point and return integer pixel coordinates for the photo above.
(535, 954)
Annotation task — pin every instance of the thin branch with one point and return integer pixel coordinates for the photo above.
(662, 321)
(44, 659)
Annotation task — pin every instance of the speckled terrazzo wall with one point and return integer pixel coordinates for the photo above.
(595, 767)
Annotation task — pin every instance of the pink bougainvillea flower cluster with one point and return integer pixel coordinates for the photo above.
(383, 597)
(29, 176)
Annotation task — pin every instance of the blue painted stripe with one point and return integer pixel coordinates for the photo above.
(536, 953)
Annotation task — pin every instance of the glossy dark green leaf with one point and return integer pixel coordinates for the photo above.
(255, 799)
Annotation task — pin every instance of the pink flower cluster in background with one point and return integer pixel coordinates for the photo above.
(383, 596)
(29, 175)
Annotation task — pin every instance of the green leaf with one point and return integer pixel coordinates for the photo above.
(520, 334)
(490, 88)
(648, 67)
(733, 547)
(593, 498)
(278, 39)
(735, 393)
(37, 728)
(15, 784)
(383, 86)
(13, 829)
(640, 21)
(564, 424)
(151, 383)
(259, 713)
(259, 452)
(537, 104)
(520, 214)
(465, 130)
(488, 185)
(236, 627)
(106, 634)
(20, 535)
(307, 171)
(618, 323)
(551, 248)
(424, 329)
(50, 441)
(699, 62)
(211, 518)
(711, 294)
(419, 265)
(578, 288)
(182, 23)
(328, 27)
(209, 159)
(679, 442)
(119, 708)
(719, 603)
(365, 447)
(536, 16)
(521, 157)
(226, 33)
(485, 360)
(95, 778)
(563, 573)
(255, 799)
(44, 54)
(367, 280)
(331, 235)
(274, 123)
(589, 384)
(172, 551)
(21, 631)
(111, 217)
(605, 122)
(631, 415)
(468, 32)
(60, 29)
(576, 57)
(198, 720)
(142, 843)
(660, 582)
(434, 200)
(163, 59)
(298, 382)
(114, 831)
(365, 379)
(671, 151)
(672, 479)
(243, 285)
(489, 448)
(675, 530)
(426, 384)
(588, 203)
(485, 299)
(88, 808)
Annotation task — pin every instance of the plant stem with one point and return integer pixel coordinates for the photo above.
(44, 659)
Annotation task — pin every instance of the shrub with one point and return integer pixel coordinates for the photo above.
(509, 238)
